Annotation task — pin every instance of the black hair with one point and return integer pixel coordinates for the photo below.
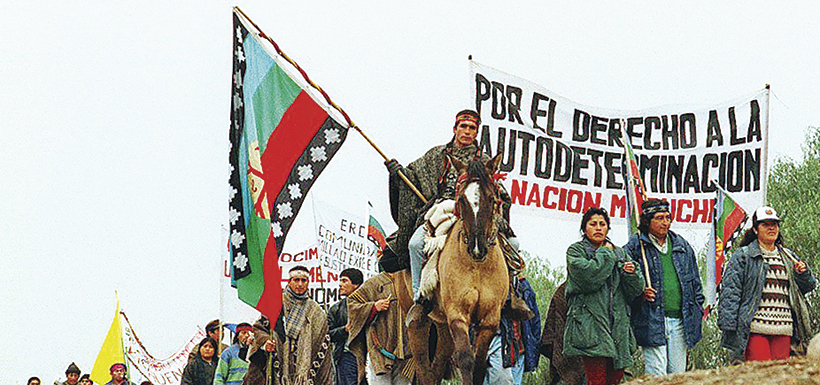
(236, 336)
(356, 277)
(471, 113)
(212, 326)
(588, 215)
(32, 379)
(207, 340)
(299, 267)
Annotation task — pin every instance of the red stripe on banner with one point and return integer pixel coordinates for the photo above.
(289, 140)
(270, 302)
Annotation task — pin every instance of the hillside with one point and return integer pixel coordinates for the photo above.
(797, 371)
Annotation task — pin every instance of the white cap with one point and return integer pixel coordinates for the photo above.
(765, 213)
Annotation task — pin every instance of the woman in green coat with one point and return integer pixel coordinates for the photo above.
(601, 281)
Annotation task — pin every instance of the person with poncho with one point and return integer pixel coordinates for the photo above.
(377, 334)
(298, 343)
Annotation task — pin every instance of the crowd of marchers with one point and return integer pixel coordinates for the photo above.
(646, 294)
(74, 376)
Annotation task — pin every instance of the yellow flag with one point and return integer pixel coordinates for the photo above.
(111, 351)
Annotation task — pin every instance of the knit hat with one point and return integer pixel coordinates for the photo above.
(654, 206)
(72, 369)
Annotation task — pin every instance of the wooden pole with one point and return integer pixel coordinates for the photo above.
(645, 264)
(269, 376)
(330, 102)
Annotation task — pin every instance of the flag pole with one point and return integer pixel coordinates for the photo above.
(634, 202)
(330, 102)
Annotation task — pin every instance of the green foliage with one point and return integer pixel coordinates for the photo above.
(708, 354)
(793, 192)
(544, 280)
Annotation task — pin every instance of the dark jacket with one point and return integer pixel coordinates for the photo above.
(530, 331)
(336, 322)
(598, 292)
(742, 287)
(199, 372)
(648, 317)
(531, 328)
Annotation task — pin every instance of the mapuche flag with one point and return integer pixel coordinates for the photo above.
(635, 191)
(281, 140)
(729, 220)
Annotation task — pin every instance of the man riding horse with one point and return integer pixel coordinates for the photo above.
(435, 177)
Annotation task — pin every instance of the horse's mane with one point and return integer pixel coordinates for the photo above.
(476, 170)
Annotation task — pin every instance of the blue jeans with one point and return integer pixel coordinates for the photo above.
(669, 358)
(518, 370)
(416, 248)
(496, 373)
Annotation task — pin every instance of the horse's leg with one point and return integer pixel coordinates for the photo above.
(444, 351)
(464, 358)
(483, 338)
(418, 336)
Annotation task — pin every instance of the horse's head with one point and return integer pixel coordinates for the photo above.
(478, 202)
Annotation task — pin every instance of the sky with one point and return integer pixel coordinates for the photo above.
(114, 124)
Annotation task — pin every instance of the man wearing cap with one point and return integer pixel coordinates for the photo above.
(72, 375)
(231, 368)
(298, 340)
(667, 318)
(435, 177)
(346, 371)
(118, 377)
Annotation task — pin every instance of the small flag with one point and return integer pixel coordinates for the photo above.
(375, 234)
(281, 140)
(635, 191)
(111, 351)
(729, 220)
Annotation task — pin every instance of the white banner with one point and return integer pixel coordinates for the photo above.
(159, 372)
(342, 243)
(563, 157)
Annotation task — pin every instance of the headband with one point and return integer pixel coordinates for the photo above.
(244, 328)
(661, 207)
(467, 117)
(298, 273)
(117, 366)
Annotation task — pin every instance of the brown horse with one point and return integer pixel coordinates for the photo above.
(473, 284)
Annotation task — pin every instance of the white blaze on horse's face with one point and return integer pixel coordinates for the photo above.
(473, 194)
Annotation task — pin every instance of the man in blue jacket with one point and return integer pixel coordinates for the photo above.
(667, 318)
(514, 349)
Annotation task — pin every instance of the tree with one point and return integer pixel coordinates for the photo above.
(793, 191)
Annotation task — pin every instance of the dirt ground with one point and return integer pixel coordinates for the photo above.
(798, 371)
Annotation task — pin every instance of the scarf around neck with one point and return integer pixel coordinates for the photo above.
(295, 308)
